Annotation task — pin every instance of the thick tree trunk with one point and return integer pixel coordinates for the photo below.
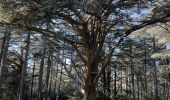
(90, 85)
(90, 91)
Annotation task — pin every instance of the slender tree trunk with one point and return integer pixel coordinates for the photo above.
(59, 85)
(121, 82)
(55, 84)
(155, 73)
(48, 73)
(126, 81)
(22, 63)
(164, 90)
(132, 73)
(3, 57)
(108, 81)
(41, 74)
(167, 81)
(133, 84)
(142, 87)
(4, 52)
(138, 87)
(115, 89)
(32, 81)
(23, 91)
(61, 73)
(51, 81)
(104, 84)
(145, 68)
(167, 98)
(3, 45)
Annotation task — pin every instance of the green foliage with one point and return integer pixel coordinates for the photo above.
(101, 96)
(62, 96)
(75, 98)
(10, 86)
(123, 97)
(151, 97)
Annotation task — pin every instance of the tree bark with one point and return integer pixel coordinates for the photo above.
(132, 72)
(55, 84)
(23, 91)
(3, 45)
(145, 68)
(115, 85)
(51, 81)
(126, 80)
(138, 87)
(155, 72)
(4, 52)
(109, 81)
(41, 74)
(48, 73)
(90, 85)
(32, 81)
(90, 91)
(59, 84)
(104, 84)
